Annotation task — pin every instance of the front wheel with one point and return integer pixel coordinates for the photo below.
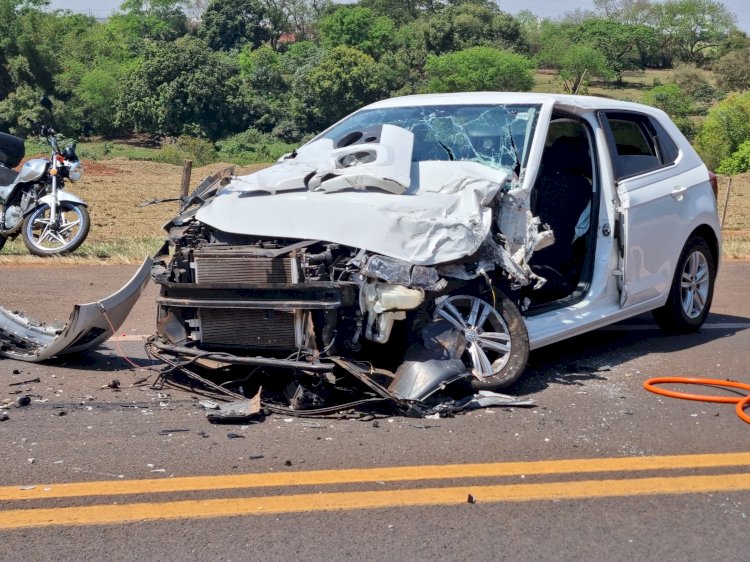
(43, 237)
(692, 290)
(497, 343)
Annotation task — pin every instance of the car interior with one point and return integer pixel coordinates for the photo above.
(563, 199)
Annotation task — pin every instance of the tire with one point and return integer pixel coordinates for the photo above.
(42, 240)
(691, 292)
(3, 240)
(497, 343)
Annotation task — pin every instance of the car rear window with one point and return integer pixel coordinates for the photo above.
(640, 144)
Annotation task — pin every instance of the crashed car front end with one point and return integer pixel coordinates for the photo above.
(382, 249)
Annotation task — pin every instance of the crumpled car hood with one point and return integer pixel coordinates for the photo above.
(441, 215)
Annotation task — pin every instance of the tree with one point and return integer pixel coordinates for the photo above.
(400, 11)
(344, 80)
(674, 101)
(725, 128)
(733, 71)
(464, 25)
(163, 20)
(696, 84)
(261, 67)
(90, 109)
(404, 64)
(20, 111)
(622, 44)
(228, 24)
(692, 28)
(296, 17)
(578, 64)
(738, 162)
(183, 87)
(359, 28)
(24, 56)
(479, 69)
(634, 12)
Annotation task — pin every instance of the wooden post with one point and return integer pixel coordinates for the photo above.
(726, 203)
(187, 168)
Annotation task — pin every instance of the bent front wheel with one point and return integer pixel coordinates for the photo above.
(45, 237)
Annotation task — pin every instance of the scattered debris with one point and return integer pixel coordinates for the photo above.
(23, 400)
(235, 436)
(4, 416)
(471, 499)
(114, 384)
(171, 431)
(244, 411)
(15, 372)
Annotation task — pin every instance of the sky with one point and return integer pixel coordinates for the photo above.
(542, 8)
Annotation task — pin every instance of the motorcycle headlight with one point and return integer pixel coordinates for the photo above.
(75, 171)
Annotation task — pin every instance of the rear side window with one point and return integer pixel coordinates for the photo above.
(639, 144)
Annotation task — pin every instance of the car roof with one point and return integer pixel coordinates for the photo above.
(482, 98)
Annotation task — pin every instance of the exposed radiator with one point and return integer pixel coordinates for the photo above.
(268, 329)
(243, 269)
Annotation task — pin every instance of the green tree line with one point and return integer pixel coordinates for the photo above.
(239, 75)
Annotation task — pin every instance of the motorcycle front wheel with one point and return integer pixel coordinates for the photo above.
(45, 238)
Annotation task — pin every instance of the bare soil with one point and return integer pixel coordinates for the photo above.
(115, 188)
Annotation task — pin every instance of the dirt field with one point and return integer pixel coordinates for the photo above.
(123, 232)
(114, 188)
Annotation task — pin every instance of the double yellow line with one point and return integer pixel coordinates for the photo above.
(332, 501)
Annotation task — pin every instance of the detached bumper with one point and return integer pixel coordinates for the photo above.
(89, 324)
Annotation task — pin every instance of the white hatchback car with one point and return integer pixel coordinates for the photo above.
(440, 237)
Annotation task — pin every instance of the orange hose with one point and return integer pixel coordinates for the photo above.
(741, 402)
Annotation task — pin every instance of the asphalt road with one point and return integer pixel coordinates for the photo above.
(600, 469)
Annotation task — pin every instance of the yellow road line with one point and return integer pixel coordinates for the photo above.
(339, 501)
(364, 475)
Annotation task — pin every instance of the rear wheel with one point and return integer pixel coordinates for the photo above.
(3, 240)
(692, 290)
(497, 343)
(43, 237)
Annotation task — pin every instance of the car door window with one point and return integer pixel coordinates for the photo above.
(639, 144)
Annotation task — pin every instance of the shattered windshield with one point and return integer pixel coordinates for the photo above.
(497, 136)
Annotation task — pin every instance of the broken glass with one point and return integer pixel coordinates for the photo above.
(493, 135)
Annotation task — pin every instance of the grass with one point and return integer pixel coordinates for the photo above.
(121, 251)
(631, 88)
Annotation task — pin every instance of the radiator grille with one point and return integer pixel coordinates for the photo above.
(269, 329)
(243, 270)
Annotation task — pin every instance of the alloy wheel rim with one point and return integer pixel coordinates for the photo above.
(694, 285)
(48, 237)
(488, 342)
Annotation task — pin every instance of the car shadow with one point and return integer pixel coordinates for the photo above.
(593, 355)
(98, 360)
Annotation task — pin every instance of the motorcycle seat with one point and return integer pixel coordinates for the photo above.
(7, 176)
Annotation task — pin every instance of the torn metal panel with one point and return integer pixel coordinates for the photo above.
(242, 411)
(89, 324)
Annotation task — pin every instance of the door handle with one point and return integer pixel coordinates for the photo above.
(679, 193)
